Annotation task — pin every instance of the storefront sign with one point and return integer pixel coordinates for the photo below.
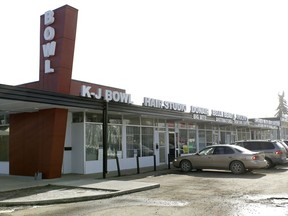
(199, 110)
(241, 118)
(266, 122)
(107, 95)
(241, 122)
(150, 102)
(222, 114)
(224, 120)
(199, 117)
(49, 34)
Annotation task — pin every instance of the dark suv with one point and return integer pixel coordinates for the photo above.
(275, 153)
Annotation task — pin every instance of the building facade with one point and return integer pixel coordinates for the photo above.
(58, 125)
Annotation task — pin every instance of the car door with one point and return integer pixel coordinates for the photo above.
(222, 157)
(204, 158)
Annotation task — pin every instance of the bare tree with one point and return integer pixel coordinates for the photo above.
(282, 108)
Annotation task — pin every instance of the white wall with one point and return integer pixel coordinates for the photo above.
(78, 147)
(4, 167)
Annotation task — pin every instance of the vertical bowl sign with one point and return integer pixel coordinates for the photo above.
(49, 34)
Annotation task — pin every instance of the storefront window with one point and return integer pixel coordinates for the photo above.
(4, 143)
(244, 134)
(183, 140)
(94, 117)
(147, 121)
(94, 142)
(208, 126)
(192, 141)
(187, 141)
(161, 123)
(147, 141)
(115, 119)
(4, 119)
(114, 141)
(209, 138)
(132, 120)
(78, 117)
(201, 126)
(202, 139)
(171, 124)
(132, 141)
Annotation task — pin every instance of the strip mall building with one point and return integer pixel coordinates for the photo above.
(58, 125)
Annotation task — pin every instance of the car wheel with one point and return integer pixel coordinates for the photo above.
(269, 163)
(186, 166)
(237, 167)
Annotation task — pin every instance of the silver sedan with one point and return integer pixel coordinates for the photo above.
(222, 157)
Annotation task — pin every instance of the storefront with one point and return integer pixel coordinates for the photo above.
(58, 125)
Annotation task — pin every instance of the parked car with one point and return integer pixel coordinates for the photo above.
(285, 145)
(275, 153)
(222, 157)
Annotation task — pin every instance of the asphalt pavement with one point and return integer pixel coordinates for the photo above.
(21, 190)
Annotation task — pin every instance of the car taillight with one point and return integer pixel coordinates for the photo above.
(254, 157)
(279, 152)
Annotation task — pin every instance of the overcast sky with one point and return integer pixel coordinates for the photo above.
(225, 55)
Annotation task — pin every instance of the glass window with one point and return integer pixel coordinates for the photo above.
(114, 147)
(183, 141)
(4, 119)
(202, 139)
(228, 150)
(78, 117)
(171, 124)
(191, 126)
(132, 141)
(147, 121)
(201, 126)
(192, 141)
(94, 117)
(207, 151)
(132, 120)
(218, 150)
(147, 141)
(94, 142)
(209, 139)
(161, 123)
(4, 143)
(209, 126)
(115, 119)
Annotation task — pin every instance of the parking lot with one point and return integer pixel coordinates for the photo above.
(262, 192)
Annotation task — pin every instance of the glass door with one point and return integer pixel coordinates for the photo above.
(162, 147)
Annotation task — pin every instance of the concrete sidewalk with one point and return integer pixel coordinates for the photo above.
(19, 190)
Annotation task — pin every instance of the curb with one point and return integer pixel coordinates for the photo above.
(78, 199)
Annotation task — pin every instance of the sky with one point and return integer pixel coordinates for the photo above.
(222, 55)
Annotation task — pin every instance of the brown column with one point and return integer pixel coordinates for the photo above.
(65, 22)
(37, 139)
(37, 142)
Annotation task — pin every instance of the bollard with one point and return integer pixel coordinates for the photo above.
(168, 161)
(138, 169)
(154, 162)
(118, 166)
